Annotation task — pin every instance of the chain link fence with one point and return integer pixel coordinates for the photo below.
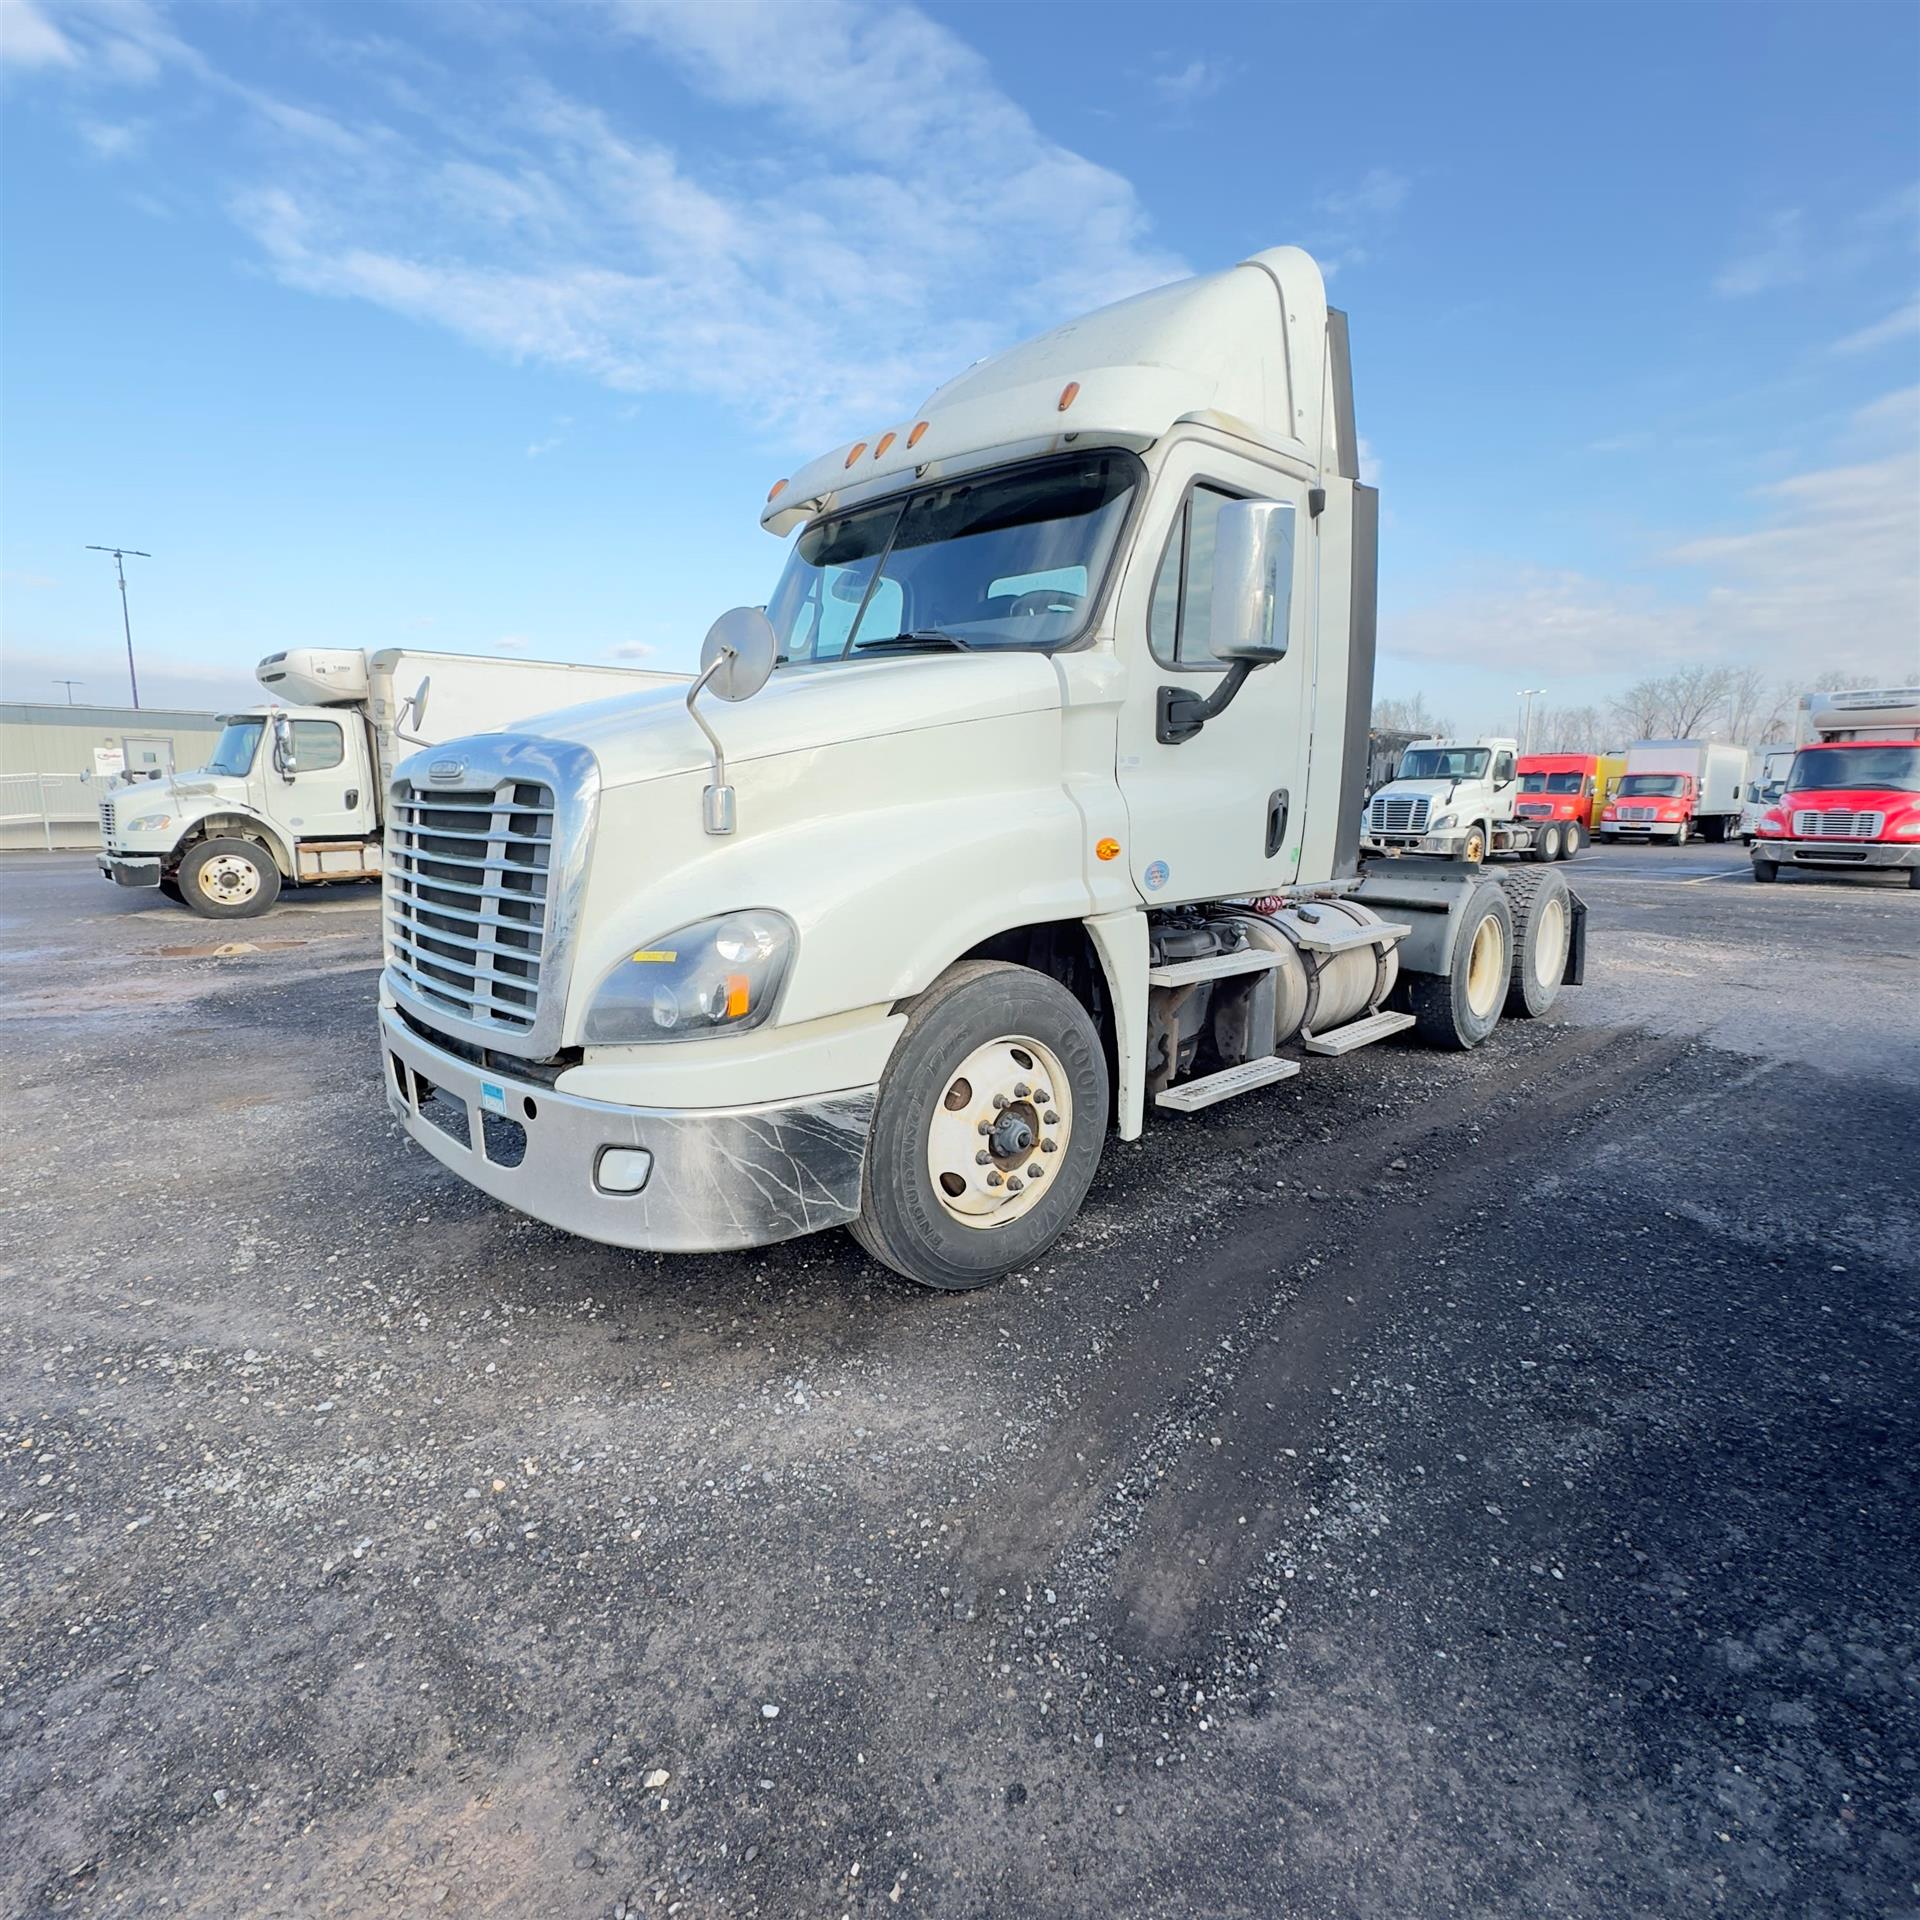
(50, 810)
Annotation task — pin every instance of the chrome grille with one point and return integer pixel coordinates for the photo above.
(1638, 813)
(1537, 809)
(106, 819)
(1837, 824)
(1398, 813)
(467, 876)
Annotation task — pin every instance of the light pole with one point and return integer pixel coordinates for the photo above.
(69, 685)
(1526, 717)
(119, 567)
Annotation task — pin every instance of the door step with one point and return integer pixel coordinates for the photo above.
(1358, 1033)
(1214, 966)
(1190, 1095)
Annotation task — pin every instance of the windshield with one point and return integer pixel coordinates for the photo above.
(234, 753)
(1823, 769)
(1007, 560)
(1665, 784)
(1443, 763)
(1551, 782)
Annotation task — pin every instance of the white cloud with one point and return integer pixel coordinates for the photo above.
(838, 263)
(632, 650)
(111, 142)
(1196, 81)
(1378, 192)
(510, 643)
(1779, 260)
(1896, 326)
(29, 39)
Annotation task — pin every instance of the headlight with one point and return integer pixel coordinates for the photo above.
(1442, 820)
(153, 823)
(716, 976)
(1909, 827)
(1771, 825)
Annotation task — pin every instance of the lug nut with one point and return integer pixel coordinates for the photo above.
(993, 1179)
(1013, 1185)
(999, 1100)
(983, 1158)
(1047, 1146)
(1050, 1119)
(985, 1126)
(1043, 1096)
(1021, 1091)
(1035, 1171)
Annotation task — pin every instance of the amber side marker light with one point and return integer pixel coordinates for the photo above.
(776, 490)
(859, 447)
(1108, 849)
(1068, 394)
(913, 439)
(886, 440)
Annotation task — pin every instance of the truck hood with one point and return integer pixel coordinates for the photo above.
(648, 735)
(177, 794)
(1433, 789)
(1895, 802)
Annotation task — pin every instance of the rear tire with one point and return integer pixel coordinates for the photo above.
(229, 879)
(1770, 870)
(930, 1208)
(1542, 910)
(1459, 1008)
(1574, 841)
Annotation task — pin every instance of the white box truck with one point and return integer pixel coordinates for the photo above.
(292, 793)
(1677, 789)
(1028, 806)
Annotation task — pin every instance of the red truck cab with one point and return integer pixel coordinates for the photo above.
(1566, 786)
(1849, 803)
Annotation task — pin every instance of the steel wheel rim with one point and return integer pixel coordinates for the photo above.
(1486, 966)
(994, 1145)
(229, 879)
(1550, 941)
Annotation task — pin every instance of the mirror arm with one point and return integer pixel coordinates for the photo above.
(1179, 715)
(717, 800)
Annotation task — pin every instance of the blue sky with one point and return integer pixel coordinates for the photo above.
(480, 326)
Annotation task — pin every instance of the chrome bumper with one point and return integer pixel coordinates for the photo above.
(143, 870)
(719, 1178)
(1837, 853)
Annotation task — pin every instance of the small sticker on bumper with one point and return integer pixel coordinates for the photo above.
(493, 1098)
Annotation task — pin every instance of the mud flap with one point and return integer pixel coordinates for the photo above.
(1576, 969)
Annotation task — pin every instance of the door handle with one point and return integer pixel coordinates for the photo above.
(353, 796)
(1276, 820)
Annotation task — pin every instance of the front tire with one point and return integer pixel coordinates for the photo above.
(990, 1120)
(1473, 849)
(1766, 869)
(229, 879)
(1459, 1008)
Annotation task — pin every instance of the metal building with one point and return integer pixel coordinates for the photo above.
(55, 762)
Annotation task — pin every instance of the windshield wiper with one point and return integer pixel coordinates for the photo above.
(919, 639)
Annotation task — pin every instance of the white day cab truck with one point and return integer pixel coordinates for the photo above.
(293, 793)
(1028, 806)
(1677, 790)
(1456, 799)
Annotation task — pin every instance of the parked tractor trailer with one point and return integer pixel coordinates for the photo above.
(1028, 807)
(1466, 800)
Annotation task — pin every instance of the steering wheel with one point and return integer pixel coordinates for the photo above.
(1038, 600)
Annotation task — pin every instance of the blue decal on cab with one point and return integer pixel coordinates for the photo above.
(1156, 876)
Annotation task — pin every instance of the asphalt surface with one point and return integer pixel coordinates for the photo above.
(1438, 1485)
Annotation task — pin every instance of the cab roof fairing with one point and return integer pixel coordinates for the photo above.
(1246, 351)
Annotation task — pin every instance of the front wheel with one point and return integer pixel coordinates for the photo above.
(1473, 849)
(990, 1119)
(1766, 869)
(229, 879)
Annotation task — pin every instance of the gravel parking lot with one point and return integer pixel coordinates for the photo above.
(1438, 1485)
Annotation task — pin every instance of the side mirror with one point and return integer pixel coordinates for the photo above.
(736, 661)
(1252, 581)
(283, 761)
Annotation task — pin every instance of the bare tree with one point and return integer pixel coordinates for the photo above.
(1756, 706)
(1835, 682)
(1640, 712)
(1409, 715)
(1693, 694)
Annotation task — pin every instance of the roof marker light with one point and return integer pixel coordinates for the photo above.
(1068, 394)
(886, 440)
(775, 491)
(913, 439)
(858, 448)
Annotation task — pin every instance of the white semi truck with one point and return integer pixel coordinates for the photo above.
(292, 793)
(1456, 799)
(1028, 806)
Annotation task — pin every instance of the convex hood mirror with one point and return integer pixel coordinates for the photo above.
(736, 658)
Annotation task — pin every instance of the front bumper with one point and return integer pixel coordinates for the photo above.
(1640, 829)
(723, 1177)
(131, 870)
(1445, 844)
(1837, 853)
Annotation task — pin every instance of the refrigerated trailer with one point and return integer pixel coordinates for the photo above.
(293, 790)
(1029, 807)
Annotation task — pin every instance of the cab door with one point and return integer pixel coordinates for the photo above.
(330, 796)
(1222, 812)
